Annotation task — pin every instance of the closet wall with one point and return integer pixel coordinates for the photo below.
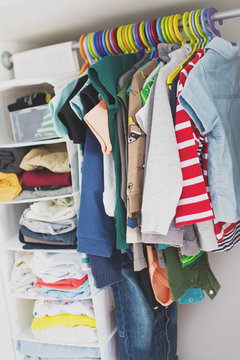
(207, 330)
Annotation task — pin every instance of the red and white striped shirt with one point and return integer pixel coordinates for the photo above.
(194, 204)
(221, 228)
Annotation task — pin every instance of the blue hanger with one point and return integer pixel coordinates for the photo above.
(204, 25)
(158, 29)
(195, 30)
(136, 36)
(87, 52)
(95, 45)
(104, 43)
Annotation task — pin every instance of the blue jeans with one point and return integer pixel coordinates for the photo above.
(145, 333)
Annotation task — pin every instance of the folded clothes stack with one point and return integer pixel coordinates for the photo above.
(38, 171)
(22, 278)
(44, 351)
(64, 321)
(10, 184)
(28, 101)
(46, 168)
(50, 223)
(60, 276)
(63, 279)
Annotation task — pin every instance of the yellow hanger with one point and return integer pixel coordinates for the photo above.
(131, 38)
(179, 36)
(168, 30)
(197, 40)
(143, 37)
(171, 28)
(200, 29)
(90, 47)
(163, 30)
(186, 29)
(171, 77)
(107, 42)
(125, 38)
(120, 41)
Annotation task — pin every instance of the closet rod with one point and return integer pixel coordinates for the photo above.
(219, 15)
(6, 57)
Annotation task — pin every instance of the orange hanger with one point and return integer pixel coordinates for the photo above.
(83, 55)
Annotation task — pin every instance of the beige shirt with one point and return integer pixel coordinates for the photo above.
(53, 157)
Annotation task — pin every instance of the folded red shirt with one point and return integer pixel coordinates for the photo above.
(46, 178)
(67, 284)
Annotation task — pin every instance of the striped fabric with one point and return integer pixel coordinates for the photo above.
(194, 204)
(228, 235)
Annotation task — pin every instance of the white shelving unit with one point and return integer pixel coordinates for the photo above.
(20, 305)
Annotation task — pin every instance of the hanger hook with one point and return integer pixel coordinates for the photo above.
(211, 11)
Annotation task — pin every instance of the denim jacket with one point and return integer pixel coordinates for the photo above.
(211, 96)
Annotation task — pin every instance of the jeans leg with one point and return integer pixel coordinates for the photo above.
(141, 329)
(171, 332)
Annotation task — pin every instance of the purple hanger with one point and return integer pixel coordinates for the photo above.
(100, 48)
(211, 11)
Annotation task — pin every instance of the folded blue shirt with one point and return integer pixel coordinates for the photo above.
(68, 238)
(51, 351)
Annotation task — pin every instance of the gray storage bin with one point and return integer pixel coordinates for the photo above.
(32, 124)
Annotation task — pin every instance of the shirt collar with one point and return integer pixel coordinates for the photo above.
(225, 48)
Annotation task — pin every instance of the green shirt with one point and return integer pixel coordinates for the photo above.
(104, 76)
(196, 275)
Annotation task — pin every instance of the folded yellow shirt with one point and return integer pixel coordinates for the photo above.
(9, 186)
(64, 319)
(53, 157)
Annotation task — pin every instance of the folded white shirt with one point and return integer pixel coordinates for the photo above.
(67, 335)
(46, 307)
(52, 210)
(52, 267)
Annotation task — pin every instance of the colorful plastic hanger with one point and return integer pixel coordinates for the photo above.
(125, 38)
(88, 51)
(200, 29)
(92, 40)
(204, 25)
(131, 38)
(163, 29)
(114, 39)
(153, 30)
(185, 18)
(159, 31)
(83, 54)
(194, 25)
(167, 28)
(211, 11)
(110, 39)
(108, 44)
(191, 27)
(142, 36)
(171, 28)
(186, 29)
(179, 36)
(103, 40)
(99, 44)
(120, 40)
(136, 36)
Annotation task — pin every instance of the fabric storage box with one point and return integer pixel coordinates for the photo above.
(32, 124)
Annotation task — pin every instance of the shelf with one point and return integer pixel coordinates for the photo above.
(13, 144)
(15, 245)
(27, 335)
(42, 198)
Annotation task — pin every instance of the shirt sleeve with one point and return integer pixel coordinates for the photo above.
(197, 101)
